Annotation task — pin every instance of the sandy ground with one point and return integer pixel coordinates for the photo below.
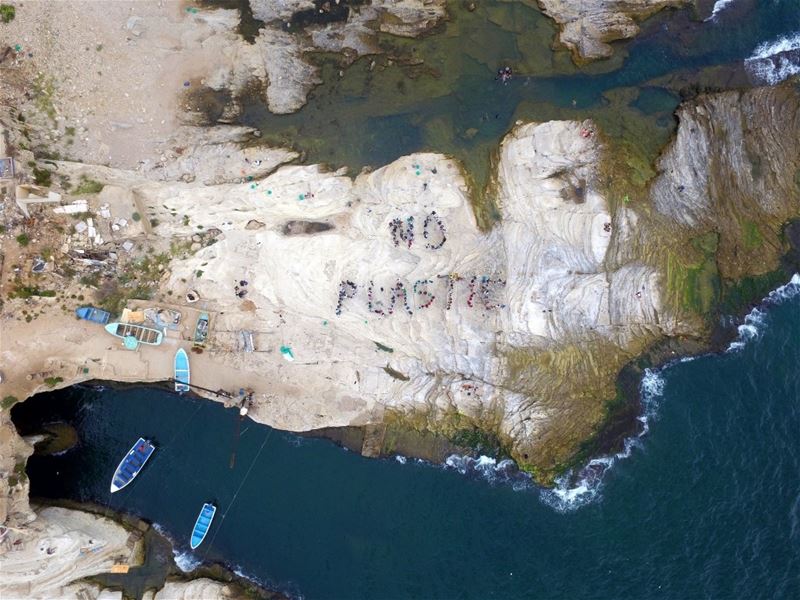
(113, 71)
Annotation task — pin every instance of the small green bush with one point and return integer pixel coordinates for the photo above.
(88, 186)
(7, 13)
(42, 176)
(136, 216)
(23, 239)
(53, 381)
(8, 402)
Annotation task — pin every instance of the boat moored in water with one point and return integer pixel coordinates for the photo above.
(203, 524)
(181, 371)
(133, 462)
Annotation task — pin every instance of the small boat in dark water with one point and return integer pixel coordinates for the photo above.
(181, 371)
(133, 462)
(95, 315)
(202, 525)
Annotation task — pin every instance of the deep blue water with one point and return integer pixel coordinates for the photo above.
(707, 505)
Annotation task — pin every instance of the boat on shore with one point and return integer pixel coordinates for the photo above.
(131, 464)
(181, 371)
(139, 333)
(95, 315)
(201, 330)
(203, 524)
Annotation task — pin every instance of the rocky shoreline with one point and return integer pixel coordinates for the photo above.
(374, 302)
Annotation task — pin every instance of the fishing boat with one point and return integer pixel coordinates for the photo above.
(133, 462)
(201, 330)
(139, 333)
(181, 371)
(202, 525)
(95, 315)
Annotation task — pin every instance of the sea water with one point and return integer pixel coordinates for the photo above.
(706, 503)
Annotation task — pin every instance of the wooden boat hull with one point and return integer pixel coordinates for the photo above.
(143, 335)
(181, 371)
(132, 464)
(202, 525)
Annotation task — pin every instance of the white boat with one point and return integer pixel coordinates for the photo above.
(131, 464)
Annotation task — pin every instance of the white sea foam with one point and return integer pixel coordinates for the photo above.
(719, 6)
(401, 459)
(490, 469)
(573, 490)
(755, 321)
(186, 561)
(772, 62)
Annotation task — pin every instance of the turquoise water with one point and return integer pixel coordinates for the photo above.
(706, 505)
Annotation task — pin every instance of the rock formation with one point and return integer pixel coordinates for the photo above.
(587, 26)
(59, 547)
(294, 28)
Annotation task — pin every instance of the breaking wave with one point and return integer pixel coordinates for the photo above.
(719, 6)
(754, 322)
(185, 561)
(574, 490)
(772, 62)
(289, 590)
(490, 469)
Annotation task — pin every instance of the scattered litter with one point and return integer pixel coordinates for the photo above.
(81, 226)
(79, 206)
(287, 353)
(246, 341)
(127, 245)
(6, 168)
(38, 265)
(192, 296)
(163, 318)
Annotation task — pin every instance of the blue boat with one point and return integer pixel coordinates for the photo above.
(95, 315)
(203, 523)
(131, 464)
(181, 371)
